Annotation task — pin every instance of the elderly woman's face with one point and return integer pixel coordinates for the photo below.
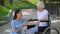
(39, 8)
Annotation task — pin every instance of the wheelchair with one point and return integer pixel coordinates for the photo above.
(44, 30)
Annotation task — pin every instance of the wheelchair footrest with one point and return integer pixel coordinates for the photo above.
(39, 33)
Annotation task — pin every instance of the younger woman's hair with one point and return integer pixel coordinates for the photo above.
(16, 12)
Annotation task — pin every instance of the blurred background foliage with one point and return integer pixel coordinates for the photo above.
(6, 5)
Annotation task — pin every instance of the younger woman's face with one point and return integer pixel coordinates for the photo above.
(19, 15)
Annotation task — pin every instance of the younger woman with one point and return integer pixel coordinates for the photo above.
(18, 22)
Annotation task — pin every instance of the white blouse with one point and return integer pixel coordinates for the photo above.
(41, 15)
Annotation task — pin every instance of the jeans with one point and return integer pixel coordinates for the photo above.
(32, 30)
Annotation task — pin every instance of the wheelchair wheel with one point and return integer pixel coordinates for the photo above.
(51, 30)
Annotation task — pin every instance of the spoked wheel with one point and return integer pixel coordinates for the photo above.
(51, 30)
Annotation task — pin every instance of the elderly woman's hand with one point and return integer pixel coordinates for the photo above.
(38, 22)
(24, 24)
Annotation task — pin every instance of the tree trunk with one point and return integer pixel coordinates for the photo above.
(2, 2)
(11, 2)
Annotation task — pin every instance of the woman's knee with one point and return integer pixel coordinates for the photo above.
(32, 30)
(29, 32)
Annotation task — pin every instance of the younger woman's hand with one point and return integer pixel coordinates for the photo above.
(28, 19)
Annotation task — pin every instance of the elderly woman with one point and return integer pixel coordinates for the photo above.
(42, 14)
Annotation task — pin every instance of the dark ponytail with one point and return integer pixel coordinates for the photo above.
(16, 12)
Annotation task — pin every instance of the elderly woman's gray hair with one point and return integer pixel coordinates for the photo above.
(40, 4)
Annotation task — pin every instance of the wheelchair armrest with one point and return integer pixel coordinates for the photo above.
(30, 26)
(40, 21)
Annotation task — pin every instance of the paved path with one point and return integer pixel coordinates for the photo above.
(27, 14)
(5, 29)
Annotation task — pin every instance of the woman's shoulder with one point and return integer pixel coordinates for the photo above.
(22, 19)
(13, 21)
(45, 11)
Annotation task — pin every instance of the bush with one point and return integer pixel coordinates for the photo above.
(3, 11)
